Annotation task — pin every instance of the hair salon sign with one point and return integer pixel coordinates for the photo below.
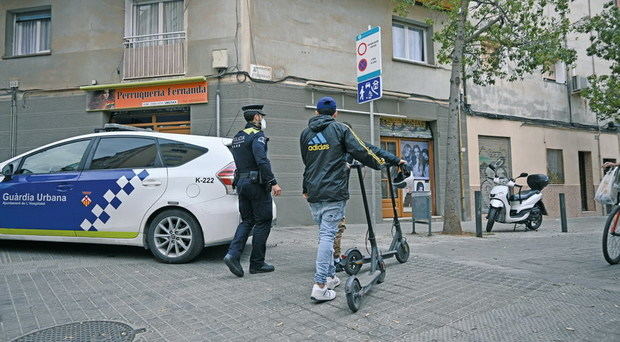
(148, 96)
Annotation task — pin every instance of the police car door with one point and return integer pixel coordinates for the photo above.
(122, 179)
(38, 199)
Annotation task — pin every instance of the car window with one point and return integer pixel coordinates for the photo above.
(63, 158)
(176, 153)
(124, 153)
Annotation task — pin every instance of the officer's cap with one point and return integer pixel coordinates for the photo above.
(252, 109)
(326, 102)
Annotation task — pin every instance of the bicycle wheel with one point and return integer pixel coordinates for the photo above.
(611, 237)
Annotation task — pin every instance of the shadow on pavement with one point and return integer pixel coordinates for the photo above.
(97, 250)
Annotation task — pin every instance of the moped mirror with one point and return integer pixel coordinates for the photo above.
(492, 167)
(523, 174)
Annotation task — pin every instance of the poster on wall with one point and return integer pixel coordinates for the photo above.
(415, 186)
(417, 155)
(147, 96)
(492, 151)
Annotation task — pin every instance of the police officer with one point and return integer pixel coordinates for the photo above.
(255, 184)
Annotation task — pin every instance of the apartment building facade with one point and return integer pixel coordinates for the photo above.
(543, 124)
(187, 66)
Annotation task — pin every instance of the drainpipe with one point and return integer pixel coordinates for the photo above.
(13, 133)
(217, 109)
(568, 87)
(600, 160)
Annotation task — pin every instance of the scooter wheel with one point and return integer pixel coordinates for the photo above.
(382, 270)
(491, 219)
(354, 261)
(402, 252)
(352, 288)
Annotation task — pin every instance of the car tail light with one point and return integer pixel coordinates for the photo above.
(226, 176)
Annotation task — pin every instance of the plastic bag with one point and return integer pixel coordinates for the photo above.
(607, 192)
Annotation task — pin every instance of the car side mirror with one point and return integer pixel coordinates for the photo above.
(523, 174)
(7, 171)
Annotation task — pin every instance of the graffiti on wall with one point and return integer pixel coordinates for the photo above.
(495, 151)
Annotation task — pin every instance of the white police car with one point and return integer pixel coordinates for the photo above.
(170, 193)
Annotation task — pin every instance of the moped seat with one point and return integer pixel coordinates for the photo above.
(524, 195)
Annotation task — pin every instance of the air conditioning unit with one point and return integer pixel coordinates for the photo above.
(578, 83)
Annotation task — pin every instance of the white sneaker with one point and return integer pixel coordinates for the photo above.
(322, 294)
(332, 283)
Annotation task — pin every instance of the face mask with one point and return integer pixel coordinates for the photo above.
(263, 123)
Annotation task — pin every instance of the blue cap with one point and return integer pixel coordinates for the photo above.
(326, 103)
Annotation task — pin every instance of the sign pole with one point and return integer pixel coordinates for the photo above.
(369, 85)
(372, 179)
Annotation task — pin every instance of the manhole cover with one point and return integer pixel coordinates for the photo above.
(95, 331)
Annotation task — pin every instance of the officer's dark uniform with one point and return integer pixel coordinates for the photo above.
(249, 149)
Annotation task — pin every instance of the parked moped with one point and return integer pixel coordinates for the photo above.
(524, 207)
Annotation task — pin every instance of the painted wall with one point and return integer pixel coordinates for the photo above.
(316, 40)
(45, 119)
(523, 98)
(87, 42)
(84, 47)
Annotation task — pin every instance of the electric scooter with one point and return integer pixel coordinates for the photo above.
(356, 287)
(525, 207)
(399, 248)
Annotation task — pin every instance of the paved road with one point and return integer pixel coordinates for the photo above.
(507, 286)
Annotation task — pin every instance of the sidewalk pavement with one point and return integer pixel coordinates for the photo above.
(507, 286)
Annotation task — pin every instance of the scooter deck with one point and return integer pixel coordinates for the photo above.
(367, 259)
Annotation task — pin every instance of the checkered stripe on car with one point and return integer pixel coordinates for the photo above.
(106, 205)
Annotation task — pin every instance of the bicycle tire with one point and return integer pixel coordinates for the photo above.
(613, 219)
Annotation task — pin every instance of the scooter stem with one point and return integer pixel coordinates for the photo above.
(371, 233)
(391, 189)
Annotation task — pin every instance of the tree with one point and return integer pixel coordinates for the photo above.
(604, 90)
(486, 40)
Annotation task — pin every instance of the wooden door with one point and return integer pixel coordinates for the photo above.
(391, 145)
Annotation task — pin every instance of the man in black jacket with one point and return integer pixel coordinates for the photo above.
(324, 144)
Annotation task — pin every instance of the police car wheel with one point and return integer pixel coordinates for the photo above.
(175, 237)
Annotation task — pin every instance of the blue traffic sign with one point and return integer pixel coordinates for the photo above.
(369, 90)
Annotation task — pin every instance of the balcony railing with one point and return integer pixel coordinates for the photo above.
(154, 55)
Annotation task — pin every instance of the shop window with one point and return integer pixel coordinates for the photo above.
(29, 33)
(165, 121)
(176, 153)
(125, 153)
(63, 158)
(411, 42)
(555, 166)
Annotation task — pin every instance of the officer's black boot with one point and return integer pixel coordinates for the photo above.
(264, 268)
(233, 265)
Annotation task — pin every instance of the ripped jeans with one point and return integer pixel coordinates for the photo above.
(327, 215)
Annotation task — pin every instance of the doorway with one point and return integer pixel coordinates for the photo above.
(419, 155)
(586, 184)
